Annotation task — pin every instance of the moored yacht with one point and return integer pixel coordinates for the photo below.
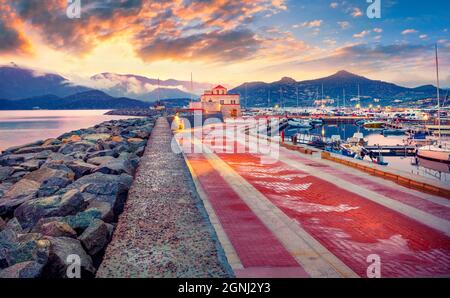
(439, 151)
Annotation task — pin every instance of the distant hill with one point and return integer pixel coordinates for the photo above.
(310, 90)
(144, 88)
(93, 99)
(17, 83)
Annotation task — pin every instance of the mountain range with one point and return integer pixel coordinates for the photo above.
(146, 89)
(284, 91)
(92, 99)
(22, 88)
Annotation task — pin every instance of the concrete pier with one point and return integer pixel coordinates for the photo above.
(164, 230)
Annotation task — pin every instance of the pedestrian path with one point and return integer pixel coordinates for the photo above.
(318, 211)
(164, 230)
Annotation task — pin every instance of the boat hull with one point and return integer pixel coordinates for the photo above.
(440, 156)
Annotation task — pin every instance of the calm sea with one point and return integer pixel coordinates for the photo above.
(22, 127)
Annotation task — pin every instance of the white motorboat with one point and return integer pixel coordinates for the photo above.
(298, 124)
(440, 151)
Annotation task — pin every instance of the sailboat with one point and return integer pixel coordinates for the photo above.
(439, 151)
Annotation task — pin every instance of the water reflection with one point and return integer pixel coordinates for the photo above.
(425, 168)
(22, 127)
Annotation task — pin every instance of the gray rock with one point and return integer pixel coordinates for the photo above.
(101, 153)
(5, 173)
(80, 221)
(96, 137)
(36, 149)
(95, 237)
(112, 189)
(77, 146)
(32, 165)
(51, 185)
(11, 160)
(43, 154)
(15, 148)
(60, 249)
(106, 209)
(57, 229)
(100, 160)
(2, 224)
(22, 191)
(29, 269)
(31, 211)
(81, 168)
(116, 167)
(62, 158)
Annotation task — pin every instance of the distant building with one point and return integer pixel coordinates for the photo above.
(218, 100)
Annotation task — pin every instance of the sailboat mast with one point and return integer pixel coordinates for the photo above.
(159, 97)
(359, 98)
(192, 89)
(343, 97)
(268, 98)
(438, 94)
(297, 96)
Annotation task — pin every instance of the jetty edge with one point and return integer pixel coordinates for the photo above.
(62, 196)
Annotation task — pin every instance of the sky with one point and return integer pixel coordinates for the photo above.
(229, 41)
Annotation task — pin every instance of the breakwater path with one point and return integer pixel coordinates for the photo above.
(164, 230)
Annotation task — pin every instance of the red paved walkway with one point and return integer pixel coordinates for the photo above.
(257, 248)
(393, 193)
(349, 225)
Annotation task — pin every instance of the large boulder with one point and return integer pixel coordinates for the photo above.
(112, 189)
(36, 149)
(57, 229)
(100, 160)
(28, 269)
(5, 173)
(59, 157)
(11, 160)
(31, 211)
(81, 168)
(95, 237)
(81, 146)
(15, 148)
(22, 191)
(107, 152)
(32, 164)
(51, 177)
(16, 246)
(116, 167)
(96, 137)
(80, 221)
(60, 249)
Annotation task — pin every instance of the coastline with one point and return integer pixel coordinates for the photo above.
(64, 195)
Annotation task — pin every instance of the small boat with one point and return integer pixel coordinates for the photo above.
(374, 124)
(393, 132)
(316, 122)
(440, 153)
(357, 139)
(298, 124)
(360, 122)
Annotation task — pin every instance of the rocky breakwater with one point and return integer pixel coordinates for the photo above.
(62, 197)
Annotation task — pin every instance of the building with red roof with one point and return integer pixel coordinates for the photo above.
(218, 100)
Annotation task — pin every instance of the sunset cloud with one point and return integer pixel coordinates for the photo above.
(409, 31)
(173, 30)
